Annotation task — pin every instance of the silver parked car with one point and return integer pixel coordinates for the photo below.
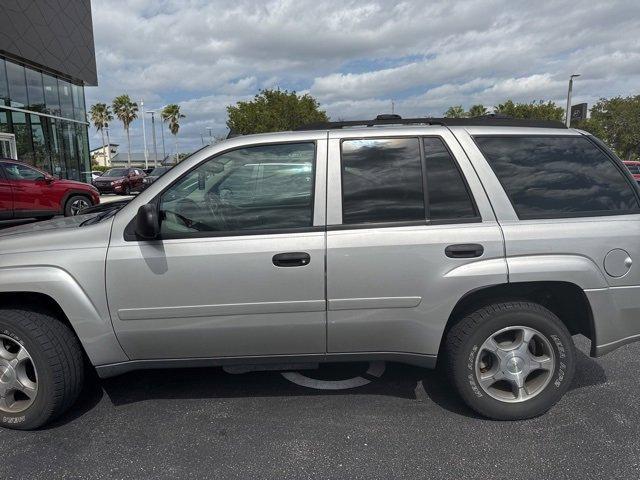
(479, 245)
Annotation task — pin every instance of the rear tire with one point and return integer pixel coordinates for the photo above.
(54, 369)
(498, 372)
(75, 204)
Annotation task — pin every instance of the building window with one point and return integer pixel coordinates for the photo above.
(78, 103)
(17, 85)
(35, 90)
(382, 181)
(4, 122)
(66, 102)
(23, 136)
(4, 88)
(40, 153)
(51, 97)
(70, 150)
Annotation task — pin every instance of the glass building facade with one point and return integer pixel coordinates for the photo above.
(47, 116)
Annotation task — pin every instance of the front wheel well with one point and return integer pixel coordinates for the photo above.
(37, 301)
(566, 300)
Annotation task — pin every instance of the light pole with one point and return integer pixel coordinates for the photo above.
(108, 147)
(164, 152)
(144, 137)
(568, 116)
(153, 131)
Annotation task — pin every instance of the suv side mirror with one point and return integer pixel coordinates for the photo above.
(49, 178)
(148, 222)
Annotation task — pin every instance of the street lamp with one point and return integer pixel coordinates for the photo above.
(153, 129)
(144, 137)
(568, 116)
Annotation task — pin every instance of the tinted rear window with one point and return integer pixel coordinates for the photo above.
(558, 176)
(448, 195)
(381, 181)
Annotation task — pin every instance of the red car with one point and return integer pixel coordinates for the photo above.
(122, 181)
(634, 168)
(27, 192)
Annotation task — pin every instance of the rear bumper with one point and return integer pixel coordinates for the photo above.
(616, 318)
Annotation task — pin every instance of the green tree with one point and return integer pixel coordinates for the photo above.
(171, 114)
(127, 111)
(273, 111)
(617, 122)
(536, 110)
(478, 111)
(455, 111)
(100, 115)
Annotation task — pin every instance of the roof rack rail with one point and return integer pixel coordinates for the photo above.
(492, 120)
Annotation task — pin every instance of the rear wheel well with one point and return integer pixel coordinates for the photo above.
(566, 300)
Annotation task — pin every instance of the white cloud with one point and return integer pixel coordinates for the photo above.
(357, 56)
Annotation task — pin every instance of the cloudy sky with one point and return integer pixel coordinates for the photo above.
(356, 57)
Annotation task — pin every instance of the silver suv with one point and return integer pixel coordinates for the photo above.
(478, 245)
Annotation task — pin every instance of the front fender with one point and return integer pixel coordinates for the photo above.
(95, 333)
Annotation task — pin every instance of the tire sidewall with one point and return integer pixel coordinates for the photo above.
(561, 343)
(43, 403)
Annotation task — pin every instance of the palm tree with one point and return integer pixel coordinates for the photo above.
(171, 113)
(478, 111)
(127, 111)
(100, 114)
(455, 112)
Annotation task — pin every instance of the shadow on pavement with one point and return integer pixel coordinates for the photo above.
(401, 381)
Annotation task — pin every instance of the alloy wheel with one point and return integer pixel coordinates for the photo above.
(515, 364)
(18, 376)
(78, 205)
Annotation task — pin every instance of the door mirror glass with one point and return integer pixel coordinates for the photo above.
(148, 222)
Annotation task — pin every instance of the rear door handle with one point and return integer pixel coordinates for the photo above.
(464, 250)
(291, 259)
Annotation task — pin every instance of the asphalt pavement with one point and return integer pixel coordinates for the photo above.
(406, 423)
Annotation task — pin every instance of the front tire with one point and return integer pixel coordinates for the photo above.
(41, 365)
(510, 361)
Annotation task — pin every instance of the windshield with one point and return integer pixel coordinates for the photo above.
(115, 172)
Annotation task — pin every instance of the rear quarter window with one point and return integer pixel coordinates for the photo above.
(558, 176)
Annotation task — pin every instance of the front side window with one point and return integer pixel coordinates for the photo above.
(557, 176)
(382, 181)
(254, 188)
(16, 171)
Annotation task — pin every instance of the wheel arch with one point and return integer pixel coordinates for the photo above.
(55, 289)
(566, 300)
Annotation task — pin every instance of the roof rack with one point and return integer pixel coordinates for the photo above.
(492, 120)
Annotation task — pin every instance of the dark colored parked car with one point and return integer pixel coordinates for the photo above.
(153, 176)
(27, 192)
(122, 181)
(634, 168)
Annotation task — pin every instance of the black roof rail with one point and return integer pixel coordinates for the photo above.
(492, 120)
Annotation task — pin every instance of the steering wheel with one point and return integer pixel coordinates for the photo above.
(216, 207)
(186, 205)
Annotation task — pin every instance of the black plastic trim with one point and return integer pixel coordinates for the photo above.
(447, 122)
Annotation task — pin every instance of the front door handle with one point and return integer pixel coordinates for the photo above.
(464, 250)
(292, 259)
